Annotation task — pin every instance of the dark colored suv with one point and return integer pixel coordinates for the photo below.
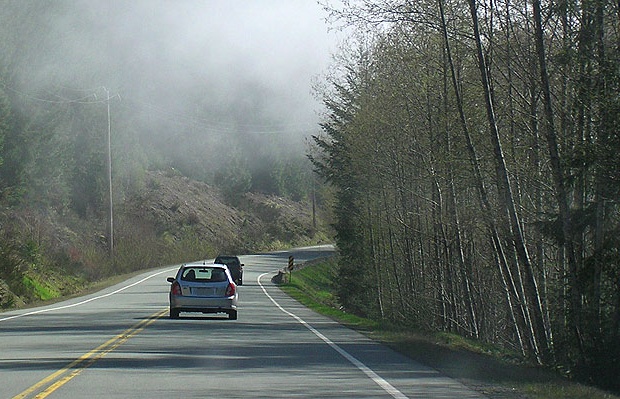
(234, 265)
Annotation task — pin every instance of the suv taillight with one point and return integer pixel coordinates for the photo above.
(175, 289)
(230, 290)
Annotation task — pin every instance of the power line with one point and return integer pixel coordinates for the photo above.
(79, 100)
(181, 119)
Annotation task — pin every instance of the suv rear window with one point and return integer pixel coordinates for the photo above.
(204, 274)
(227, 260)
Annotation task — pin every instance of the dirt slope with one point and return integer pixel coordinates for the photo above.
(173, 202)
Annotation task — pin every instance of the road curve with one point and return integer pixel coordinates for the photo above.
(120, 343)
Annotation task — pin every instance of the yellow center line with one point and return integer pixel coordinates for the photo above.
(67, 373)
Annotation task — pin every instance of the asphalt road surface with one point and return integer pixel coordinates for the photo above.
(120, 343)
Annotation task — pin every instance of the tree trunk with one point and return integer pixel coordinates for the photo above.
(558, 179)
(534, 303)
(487, 211)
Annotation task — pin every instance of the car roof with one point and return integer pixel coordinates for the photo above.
(204, 265)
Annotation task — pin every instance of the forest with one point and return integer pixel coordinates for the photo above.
(473, 146)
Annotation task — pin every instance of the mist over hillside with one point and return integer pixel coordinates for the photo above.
(139, 132)
(200, 86)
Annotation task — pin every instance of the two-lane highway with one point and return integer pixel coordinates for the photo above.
(119, 343)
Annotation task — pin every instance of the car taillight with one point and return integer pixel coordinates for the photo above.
(230, 290)
(175, 289)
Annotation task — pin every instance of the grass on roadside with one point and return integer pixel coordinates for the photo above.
(492, 370)
(312, 286)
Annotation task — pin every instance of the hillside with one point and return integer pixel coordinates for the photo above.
(172, 219)
(173, 202)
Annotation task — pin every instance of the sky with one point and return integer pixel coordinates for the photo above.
(268, 51)
(198, 84)
(191, 58)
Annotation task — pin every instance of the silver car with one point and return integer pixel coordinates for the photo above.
(205, 288)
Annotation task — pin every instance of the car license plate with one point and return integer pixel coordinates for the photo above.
(202, 291)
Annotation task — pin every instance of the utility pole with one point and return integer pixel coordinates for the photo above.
(111, 203)
(313, 203)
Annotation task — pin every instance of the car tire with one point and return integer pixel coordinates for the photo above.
(174, 313)
(232, 315)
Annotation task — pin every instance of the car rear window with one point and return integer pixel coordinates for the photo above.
(227, 260)
(204, 274)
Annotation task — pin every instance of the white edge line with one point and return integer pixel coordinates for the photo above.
(72, 305)
(387, 387)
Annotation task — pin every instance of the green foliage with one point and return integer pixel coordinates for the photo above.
(39, 289)
(315, 286)
(4, 117)
(234, 178)
(30, 272)
(186, 246)
(291, 178)
(5, 125)
(7, 298)
(355, 275)
(10, 261)
(317, 281)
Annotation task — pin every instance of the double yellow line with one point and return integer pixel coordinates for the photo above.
(51, 383)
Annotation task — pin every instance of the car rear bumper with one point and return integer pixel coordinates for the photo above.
(202, 304)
